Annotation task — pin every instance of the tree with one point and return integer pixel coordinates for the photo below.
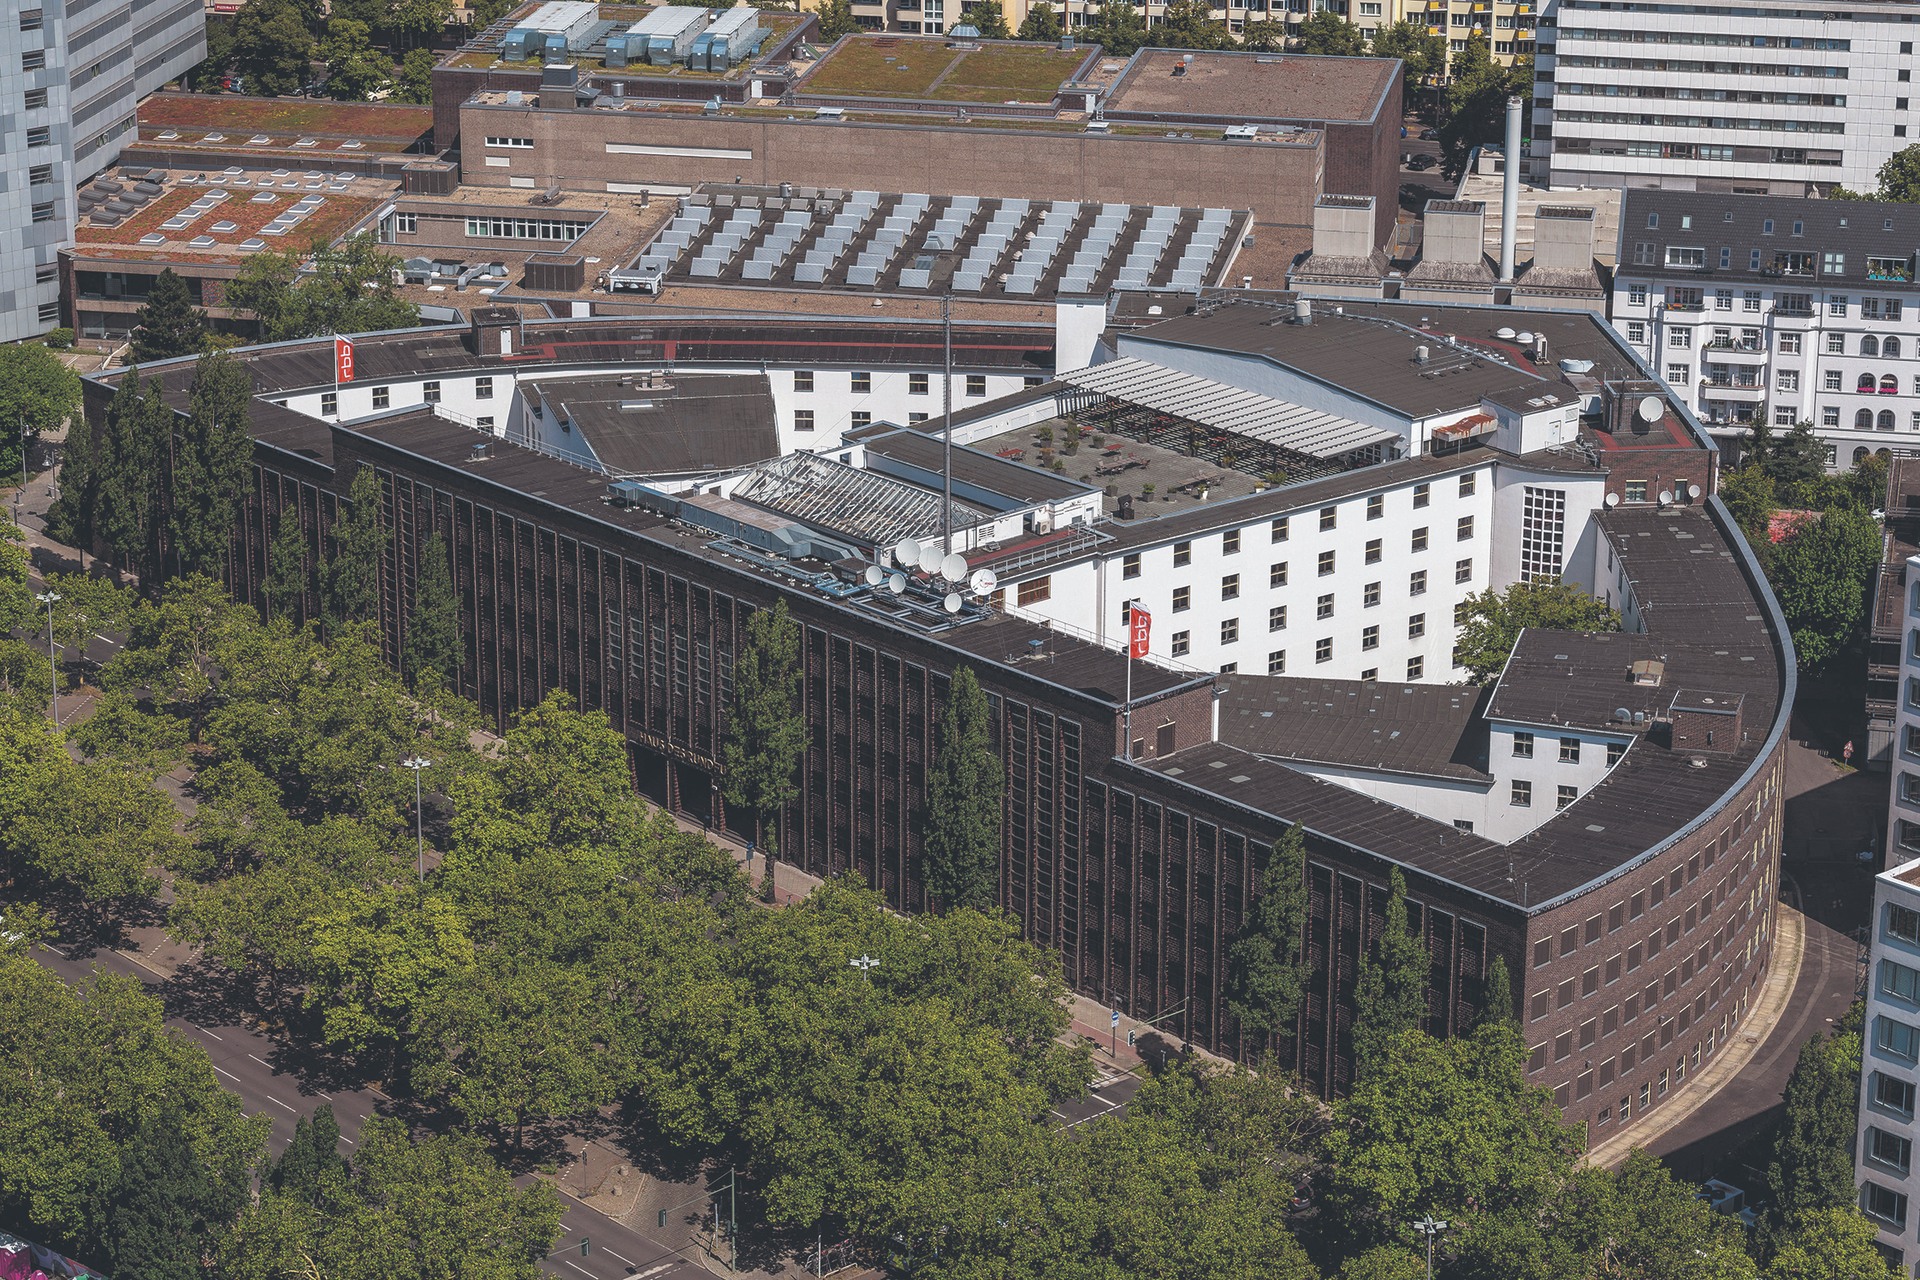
(1266, 964)
(487, 12)
(272, 46)
(166, 1207)
(378, 958)
(1118, 28)
(18, 609)
(288, 578)
(1421, 55)
(349, 289)
(1660, 1227)
(104, 828)
(1811, 1169)
(37, 393)
(1391, 996)
(175, 645)
(1749, 495)
(1495, 619)
(1900, 176)
(129, 476)
(1041, 23)
(766, 736)
(418, 20)
(1476, 99)
(1190, 24)
(836, 19)
(1264, 35)
(354, 68)
(1821, 576)
(212, 458)
(1328, 34)
(166, 324)
(1836, 1243)
(312, 1161)
(87, 605)
(960, 840)
(1793, 461)
(1497, 1003)
(352, 575)
(433, 628)
(414, 83)
(989, 18)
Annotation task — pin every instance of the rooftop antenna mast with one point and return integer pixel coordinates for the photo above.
(946, 427)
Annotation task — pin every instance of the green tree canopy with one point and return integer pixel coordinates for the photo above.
(414, 81)
(1812, 1169)
(352, 575)
(166, 324)
(990, 18)
(434, 646)
(1190, 24)
(1266, 964)
(38, 392)
(1390, 998)
(1494, 620)
(1476, 99)
(1042, 22)
(836, 19)
(212, 458)
(960, 857)
(766, 736)
(1836, 1243)
(348, 290)
(1900, 176)
(354, 67)
(1421, 55)
(289, 568)
(1329, 34)
(1118, 28)
(272, 46)
(1822, 576)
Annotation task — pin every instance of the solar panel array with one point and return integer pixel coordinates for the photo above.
(974, 245)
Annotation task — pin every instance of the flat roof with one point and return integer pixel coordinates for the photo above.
(1253, 87)
(1430, 730)
(1004, 476)
(940, 69)
(697, 422)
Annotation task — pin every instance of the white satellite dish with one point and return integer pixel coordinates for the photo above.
(930, 557)
(1613, 499)
(952, 603)
(874, 574)
(1693, 491)
(1666, 496)
(954, 568)
(984, 581)
(1650, 409)
(906, 553)
(897, 583)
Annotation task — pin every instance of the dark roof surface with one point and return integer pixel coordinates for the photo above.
(1253, 87)
(1859, 229)
(701, 422)
(970, 466)
(1427, 729)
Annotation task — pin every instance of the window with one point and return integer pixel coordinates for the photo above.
(862, 383)
(1182, 642)
(1569, 751)
(1369, 675)
(36, 98)
(1899, 981)
(380, 397)
(1889, 1149)
(1326, 563)
(329, 403)
(483, 388)
(1130, 566)
(1615, 752)
(1376, 506)
(430, 391)
(1789, 344)
(1182, 599)
(1567, 796)
(1897, 1038)
(1370, 637)
(1463, 529)
(1182, 554)
(46, 272)
(1230, 631)
(33, 59)
(1416, 626)
(1323, 649)
(1723, 298)
(976, 384)
(1280, 529)
(520, 143)
(803, 419)
(803, 379)
(1417, 583)
(1889, 1206)
(916, 417)
(1892, 1094)
(1463, 570)
(1419, 539)
(1637, 295)
(1277, 662)
(1750, 300)
(1422, 494)
(1035, 591)
(1466, 485)
(916, 384)
(1680, 339)
(1787, 380)
(1901, 921)
(525, 228)
(1836, 344)
(1031, 380)
(1277, 574)
(39, 174)
(1831, 381)
(1230, 587)
(1230, 543)
(43, 212)
(1416, 667)
(1329, 516)
(1373, 551)
(1834, 264)
(1324, 607)
(1522, 793)
(1637, 331)
(1836, 303)
(1277, 618)
(485, 422)
(30, 19)
(861, 418)
(1686, 256)
(40, 137)
(1370, 595)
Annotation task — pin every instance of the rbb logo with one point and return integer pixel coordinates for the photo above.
(1139, 628)
(343, 359)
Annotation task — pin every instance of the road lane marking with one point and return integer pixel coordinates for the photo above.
(57, 951)
(228, 1074)
(276, 1102)
(576, 1266)
(263, 1062)
(203, 1031)
(349, 1141)
(631, 1264)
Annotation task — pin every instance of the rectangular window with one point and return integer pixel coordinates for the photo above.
(1897, 1038)
(1230, 631)
(1182, 642)
(1523, 745)
(40, 137)
(1834, 264)
(1230, 542)
(1680, 339)
(861, 418)
(1787, 380)
(1831, 380)
(1566, 797)
(862, 383)
(1277, 574)
(43, 212)
(1888, 1206)
(1523, 794)
(1636, 331)
(1901, 921)
(1419, 539)
(1034, 591)
(1328, 517)
(33, 59)
(1373, 551)
(1277, 662)
(1182, 599)
(1324, 608)
(1889, 1149)
(1280, 529)
(1463, 529)
(1277, 618)
(329, 404)
(1182, 554)
(30, 19)
(1376, 506)
(1370, 638)
(1466, 485)
(803, 379)
(1417, 583)
(1899, 981)
(1569, 751)
(1422, 494)
(1326, 563)
(1836, 344)
(803, 419)
(1370, 595)
(976, 384)
(483, 388)
(1416, 667)
(1463, 570)
(380, 398)
(916, 384)
(1836, 302)
(36, 98)
(1416, 626)
(39, 174)
(1323, 649)
(1893, 1094)
(1615, 750)
(431, 392)
(1230, 587)
(1130, 566)
(1789, 344)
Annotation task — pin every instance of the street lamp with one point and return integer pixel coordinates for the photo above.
(863, 964)
(1429, 1228)
(417, 763)
(49, 599)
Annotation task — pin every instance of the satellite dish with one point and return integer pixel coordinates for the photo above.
(1613, 499)
(897, 583)
(984, 581)
(1693, 491)
(874, 574)
(906, 553)
(930, 557)
(952, 603)
(1650, 409)
(1503, 332)
(954, 568)
(1666, 496)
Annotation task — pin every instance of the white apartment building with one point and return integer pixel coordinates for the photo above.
(1763, 98)
(1883, 1150)
(1791, 309)
(71, 79)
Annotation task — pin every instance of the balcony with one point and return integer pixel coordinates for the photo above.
(1741, 393)
(1736, 351)
(1685, 306)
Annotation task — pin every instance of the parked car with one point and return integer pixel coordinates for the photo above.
(1429, 135)
(1420, 164)
(318, 89)
(234, 84)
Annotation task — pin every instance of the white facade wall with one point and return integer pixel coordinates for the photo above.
(1546, 758)
(1535, 510)
(890, 397)
(1800, 360)
(1883, 1150)
(1903, 806)
(1835, 77)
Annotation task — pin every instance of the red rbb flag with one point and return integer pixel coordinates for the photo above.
(1139, 624)
(343, 359)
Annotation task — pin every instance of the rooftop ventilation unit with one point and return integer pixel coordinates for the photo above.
(1242, 132)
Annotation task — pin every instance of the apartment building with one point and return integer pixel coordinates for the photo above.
(1890, 1061)
(1764, 99)
(71, 77)
(1784, 309)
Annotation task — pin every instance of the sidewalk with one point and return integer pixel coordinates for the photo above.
(1776, 995)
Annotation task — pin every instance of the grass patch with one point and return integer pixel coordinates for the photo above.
(906, 70)
(305, 117)
(336, 215)
(1031, 71)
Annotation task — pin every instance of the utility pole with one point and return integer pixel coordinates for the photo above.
(416, 764)
(946, 428)
(1429, 1228)
(49, 599)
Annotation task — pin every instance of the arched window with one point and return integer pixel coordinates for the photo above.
(1889, 385)
(1886, 420)
(1859, 453)
(1865, 383)
(1883, 453)
(1863, 420)
(1891, 347)
(1869, 346)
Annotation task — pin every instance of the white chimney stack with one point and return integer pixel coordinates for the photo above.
(1510, 192)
